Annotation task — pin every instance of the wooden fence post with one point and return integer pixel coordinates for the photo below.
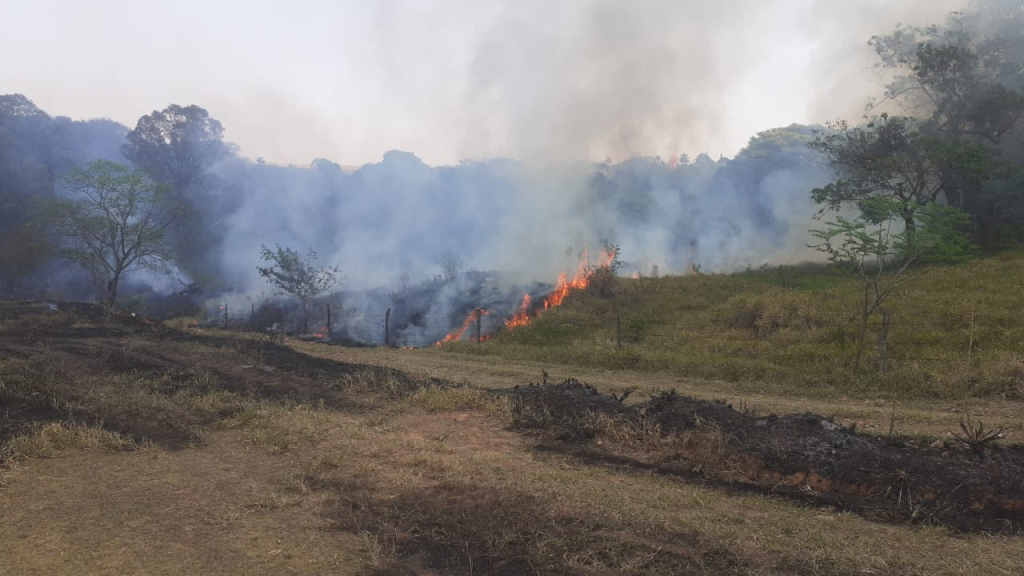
(328, 320)
(387, 328)
(252, 317)
(479, 337)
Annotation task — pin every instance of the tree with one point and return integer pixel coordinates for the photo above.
(177, 145)
(883, 258)
(893, 157)
(113, 222)
(300, 277)
(965, 79)
(450, 264)
(25, 180)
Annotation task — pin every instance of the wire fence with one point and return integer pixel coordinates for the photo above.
(949, 341)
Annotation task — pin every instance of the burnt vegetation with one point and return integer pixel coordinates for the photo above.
(168, 378)
(806, 456)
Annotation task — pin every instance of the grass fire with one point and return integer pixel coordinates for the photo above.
(510, 288)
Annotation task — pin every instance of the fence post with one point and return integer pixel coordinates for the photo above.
(479, 338)
(618, 329)
(328, 320)
(252, 317)
(387, 328)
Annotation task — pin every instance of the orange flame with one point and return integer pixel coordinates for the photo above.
(563, 287)
(521, 318)
(456, 335)
(321, 333)
(527, 311)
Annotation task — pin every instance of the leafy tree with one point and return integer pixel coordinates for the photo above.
(879, 253)
(940, 72)
(25, 179)
(300, 277)
(965, 79)
(114, 221)
(177, 145)
(893, 157)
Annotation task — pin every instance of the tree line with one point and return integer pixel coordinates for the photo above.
(932, 171)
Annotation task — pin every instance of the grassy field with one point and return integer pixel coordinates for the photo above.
(956, 333)
(128, 447)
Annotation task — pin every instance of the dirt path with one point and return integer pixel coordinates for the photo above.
(932, 418)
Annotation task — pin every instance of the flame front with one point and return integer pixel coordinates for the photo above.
(563, 287)
(522, 317)
(527, 311)
(456, 335)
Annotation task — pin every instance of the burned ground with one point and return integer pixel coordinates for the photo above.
(806, 456)
(130, 446)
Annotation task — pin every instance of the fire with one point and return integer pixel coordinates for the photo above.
(456, 335)
(522, 317)
(563, 287)
(321, 333)
(579, 280)
(527, 310)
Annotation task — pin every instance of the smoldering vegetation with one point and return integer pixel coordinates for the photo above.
(432, 243)
(504, 228)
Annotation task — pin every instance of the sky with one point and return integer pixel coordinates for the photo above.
(458, 79)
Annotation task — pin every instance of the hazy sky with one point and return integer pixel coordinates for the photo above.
(453, 79)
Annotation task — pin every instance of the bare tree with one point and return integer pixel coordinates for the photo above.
(114, 222)
(450, 264)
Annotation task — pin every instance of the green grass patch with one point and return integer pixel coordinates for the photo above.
(955, 333)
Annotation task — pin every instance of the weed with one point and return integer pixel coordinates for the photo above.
(974, 436)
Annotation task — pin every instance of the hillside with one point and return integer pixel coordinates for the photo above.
(955, 332)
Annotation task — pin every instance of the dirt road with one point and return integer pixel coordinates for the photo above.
(875, 415)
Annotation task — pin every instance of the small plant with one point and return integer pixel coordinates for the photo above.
(621, 398)
(974, 436)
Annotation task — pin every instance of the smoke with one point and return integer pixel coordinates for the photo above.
(590, 80)
(515, 226)
(593, 101)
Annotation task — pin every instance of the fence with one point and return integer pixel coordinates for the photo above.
(888, 341)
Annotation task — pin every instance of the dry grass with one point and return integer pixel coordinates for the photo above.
(280, 427)
(50, 439)
(381, 473)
